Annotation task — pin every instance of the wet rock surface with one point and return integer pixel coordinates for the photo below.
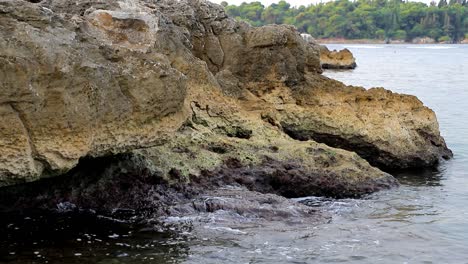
(220, 216)
(130, 215)
(127, 187)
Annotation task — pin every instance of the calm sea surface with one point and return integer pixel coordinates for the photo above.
(423, 221)
(426, 220)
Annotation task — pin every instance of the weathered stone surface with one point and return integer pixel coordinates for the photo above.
(77, 85)
(190, 90)
(390, 130)
(342, 59)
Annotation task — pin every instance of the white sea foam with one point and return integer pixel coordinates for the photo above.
(225, 229)
(300, 199)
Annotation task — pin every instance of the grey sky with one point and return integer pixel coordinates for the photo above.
(292, 2)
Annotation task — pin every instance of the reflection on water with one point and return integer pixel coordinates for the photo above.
(422, 176)
(49, 237)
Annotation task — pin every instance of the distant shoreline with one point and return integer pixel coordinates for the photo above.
(377, 41)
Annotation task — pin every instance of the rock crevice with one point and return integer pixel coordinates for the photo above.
(26, 130)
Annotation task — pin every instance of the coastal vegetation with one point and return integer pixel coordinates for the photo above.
(445, 21)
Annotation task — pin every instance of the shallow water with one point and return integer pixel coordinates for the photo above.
(426, 220)
(423, 221)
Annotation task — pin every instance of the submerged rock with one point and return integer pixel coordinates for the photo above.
(342, 59)
(193, 97)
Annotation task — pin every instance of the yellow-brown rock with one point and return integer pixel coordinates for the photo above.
(342, 59)
(188, 89)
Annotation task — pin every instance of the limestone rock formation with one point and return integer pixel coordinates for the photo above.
(342, 59)
(390, 130)
(197, 97)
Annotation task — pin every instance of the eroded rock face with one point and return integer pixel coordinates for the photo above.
(81, 84)
(198, 96)
(342, 59)
(390, 130)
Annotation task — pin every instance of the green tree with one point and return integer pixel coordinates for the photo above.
(442, 3)
(354, 19)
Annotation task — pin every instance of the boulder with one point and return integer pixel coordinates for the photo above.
(342, 59)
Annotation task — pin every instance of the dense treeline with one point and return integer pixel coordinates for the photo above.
(365, 19)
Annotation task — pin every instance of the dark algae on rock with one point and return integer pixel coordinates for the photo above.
(139, 108)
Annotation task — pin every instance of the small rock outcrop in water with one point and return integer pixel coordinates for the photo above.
(342, 59)
(192, 97)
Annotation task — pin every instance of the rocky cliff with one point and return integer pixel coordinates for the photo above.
(190, 95)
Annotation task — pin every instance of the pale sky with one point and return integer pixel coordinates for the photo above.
(292, 2)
